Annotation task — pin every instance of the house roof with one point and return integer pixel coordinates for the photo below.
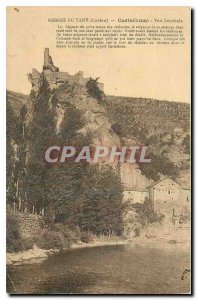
(155, 183)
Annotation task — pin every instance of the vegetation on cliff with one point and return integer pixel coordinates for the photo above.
(163, 126)
(84, 198)
(93, 89)
(81, 200)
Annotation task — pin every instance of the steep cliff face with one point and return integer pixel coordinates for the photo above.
(94, 114)
(132, 177)
(112, 121)
(71, 89)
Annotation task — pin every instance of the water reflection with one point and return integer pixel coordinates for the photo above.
(125, 269)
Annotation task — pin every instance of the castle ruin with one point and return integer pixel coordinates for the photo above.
(54, 77)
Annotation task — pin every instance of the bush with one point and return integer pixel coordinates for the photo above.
(14, 240)
(159, 165)
(28, 243)
(56, 236)
(50, 240)
(146, 214)
(93, 89)
(186, 144)
(70, 236)
(13, 237)
(86, 237)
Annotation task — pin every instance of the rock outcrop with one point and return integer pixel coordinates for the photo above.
(54, 77)
(72, 89)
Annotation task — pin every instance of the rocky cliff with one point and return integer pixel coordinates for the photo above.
(112, 120)
(71, 89)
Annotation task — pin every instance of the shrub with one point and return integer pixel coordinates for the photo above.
(159, 165)
(28, 243)
(86, 237)
(70, 236)
(50, 240)
(146, 214)
(56, 236)
(13, 237)
(14, 240)
(186, 144)
(93, 89)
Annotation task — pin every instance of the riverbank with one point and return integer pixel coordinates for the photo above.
(37, 255)
(128, 269)
(164, 233)
(152, 234)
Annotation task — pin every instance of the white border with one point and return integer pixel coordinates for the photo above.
(3, 4)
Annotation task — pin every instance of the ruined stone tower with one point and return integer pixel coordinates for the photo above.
(48, 62)
(54, 77)
(46, 56)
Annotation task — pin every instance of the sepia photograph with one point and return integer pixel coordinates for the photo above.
(98, 142)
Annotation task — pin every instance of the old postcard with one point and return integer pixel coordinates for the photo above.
(98, 150)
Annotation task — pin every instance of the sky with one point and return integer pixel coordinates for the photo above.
(158, 72)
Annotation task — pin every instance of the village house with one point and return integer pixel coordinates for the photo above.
(134, 183)
(135, 195)
(169, 198)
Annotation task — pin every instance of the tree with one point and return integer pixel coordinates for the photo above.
(35, 186)
(159, 165)
(145, 213)
(62, 191)
(186, 144)
(102, 207)
(42, 135)
(13, 134)
(93, 89)
(42, 126)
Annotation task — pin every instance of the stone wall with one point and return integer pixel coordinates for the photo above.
(30, 225)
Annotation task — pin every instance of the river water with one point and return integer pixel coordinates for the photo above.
(121, 269)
